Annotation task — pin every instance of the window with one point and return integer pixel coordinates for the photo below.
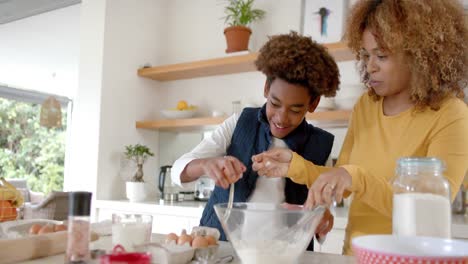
(28, 150)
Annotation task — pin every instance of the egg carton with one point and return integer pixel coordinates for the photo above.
(171, 253)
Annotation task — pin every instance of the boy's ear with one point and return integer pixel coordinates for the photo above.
(266, 89)
(313, 104)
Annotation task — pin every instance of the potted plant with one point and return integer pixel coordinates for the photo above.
(136, 187)
(239, 15)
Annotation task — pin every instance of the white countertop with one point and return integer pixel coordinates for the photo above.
(224, 250)
(195, 209)
(186, 208)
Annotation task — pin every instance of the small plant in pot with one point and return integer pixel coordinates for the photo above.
(136, 186)
(239, 15)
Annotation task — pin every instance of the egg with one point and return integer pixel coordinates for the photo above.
(184, 238)
(171, 237)
(46, 229)
(211, 240)
(58, 228)
(199, 242)
(34, 229)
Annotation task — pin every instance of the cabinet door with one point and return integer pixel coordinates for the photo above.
(333, 243)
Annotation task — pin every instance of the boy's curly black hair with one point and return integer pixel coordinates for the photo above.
(432, 35)
(298, 60)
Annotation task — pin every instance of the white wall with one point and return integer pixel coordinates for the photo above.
(116, 38)
(119, 36)
(35, 49)
(195, 32)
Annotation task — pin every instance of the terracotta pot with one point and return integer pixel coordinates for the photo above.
(237, 38)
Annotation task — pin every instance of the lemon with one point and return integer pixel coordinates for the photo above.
(182, 105)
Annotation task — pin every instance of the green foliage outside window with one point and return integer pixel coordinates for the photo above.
(28, 150)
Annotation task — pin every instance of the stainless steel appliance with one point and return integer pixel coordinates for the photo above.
(165, 185)
(204, 188)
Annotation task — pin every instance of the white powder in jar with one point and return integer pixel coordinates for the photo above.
(421, 214)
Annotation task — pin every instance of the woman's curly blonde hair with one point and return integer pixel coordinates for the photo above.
(299, 60)
(432, 35)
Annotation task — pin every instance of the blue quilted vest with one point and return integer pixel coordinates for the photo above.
(252, 136)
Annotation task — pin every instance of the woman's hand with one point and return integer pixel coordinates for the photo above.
(328, 187)
(223, 170)
(272, 163)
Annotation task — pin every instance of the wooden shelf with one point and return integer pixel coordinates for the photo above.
(170, 124)
(203, 122)
(336, 115)
(224, 65)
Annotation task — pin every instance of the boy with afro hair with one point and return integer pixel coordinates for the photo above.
(298, 72)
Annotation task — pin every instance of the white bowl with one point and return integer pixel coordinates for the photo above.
(415, 249)
(176, 114)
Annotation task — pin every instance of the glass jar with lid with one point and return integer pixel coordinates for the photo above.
(421, 198)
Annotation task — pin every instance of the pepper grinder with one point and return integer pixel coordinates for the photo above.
(79, 208)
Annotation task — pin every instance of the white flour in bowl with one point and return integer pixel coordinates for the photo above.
(267, 251)
(421, 214)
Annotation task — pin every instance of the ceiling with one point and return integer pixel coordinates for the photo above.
(11, 10)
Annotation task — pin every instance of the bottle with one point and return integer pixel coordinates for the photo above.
(421, 198)
(79, 208)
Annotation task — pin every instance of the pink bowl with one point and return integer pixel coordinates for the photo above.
(381, 249)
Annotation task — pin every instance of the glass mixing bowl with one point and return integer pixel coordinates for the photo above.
(268, 233)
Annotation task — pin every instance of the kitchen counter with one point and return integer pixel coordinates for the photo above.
(224, 250)
(185, 208)
(194, 209)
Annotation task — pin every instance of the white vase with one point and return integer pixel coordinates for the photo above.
(136, 191)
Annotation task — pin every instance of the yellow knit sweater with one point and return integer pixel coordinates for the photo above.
(372, 146)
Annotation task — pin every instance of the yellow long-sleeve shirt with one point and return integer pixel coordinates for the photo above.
(370, 151)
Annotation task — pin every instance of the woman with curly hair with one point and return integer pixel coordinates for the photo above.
(413, 58)
(298, 71)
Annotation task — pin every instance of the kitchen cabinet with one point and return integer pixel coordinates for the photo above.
(333, 243)
(335, 238)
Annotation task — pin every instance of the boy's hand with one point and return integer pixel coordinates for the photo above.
(223, 170)
(272, 163)
(329, 187)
